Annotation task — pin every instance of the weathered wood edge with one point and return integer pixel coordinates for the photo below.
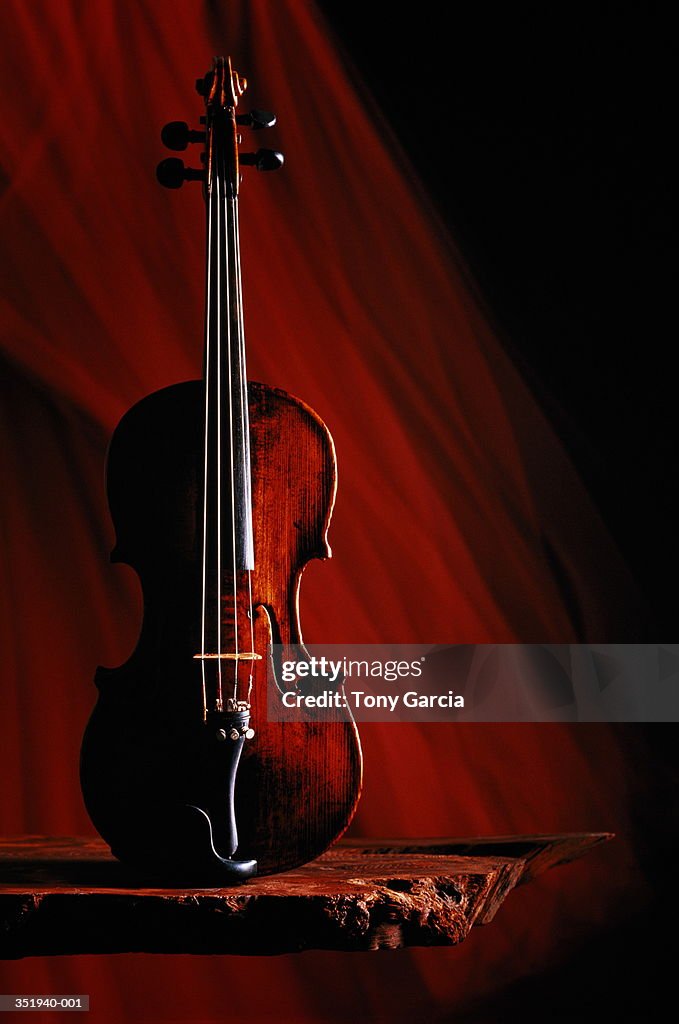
(539, 852)
(360, 895)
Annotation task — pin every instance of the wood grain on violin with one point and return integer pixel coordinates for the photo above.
(221, 492)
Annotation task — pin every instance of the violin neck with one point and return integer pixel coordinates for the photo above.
(228, 502)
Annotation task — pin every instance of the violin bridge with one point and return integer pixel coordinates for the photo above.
(241, 656)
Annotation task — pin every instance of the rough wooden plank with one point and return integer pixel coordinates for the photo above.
(539, 852)
(535, 853)
(60, 896)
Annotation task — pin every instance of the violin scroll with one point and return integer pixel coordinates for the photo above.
(222, 88)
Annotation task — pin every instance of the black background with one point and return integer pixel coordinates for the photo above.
(542, 134)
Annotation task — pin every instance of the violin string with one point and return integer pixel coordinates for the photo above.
(245, 422)
(205, 455)
(216, 192)
(229, 332)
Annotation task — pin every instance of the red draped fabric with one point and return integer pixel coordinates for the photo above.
(459, 516)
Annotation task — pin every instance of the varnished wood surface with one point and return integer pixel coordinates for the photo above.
(298, 782)
(539, 853)
(68, 895)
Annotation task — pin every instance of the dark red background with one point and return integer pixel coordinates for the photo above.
(460, 516)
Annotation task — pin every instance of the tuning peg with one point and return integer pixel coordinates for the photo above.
(263, 159)
(172, 173)
(257, 119)
(177, 135)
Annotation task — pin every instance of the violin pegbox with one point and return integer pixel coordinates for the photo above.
(222, 88)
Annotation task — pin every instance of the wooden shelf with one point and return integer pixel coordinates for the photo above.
(70, 896)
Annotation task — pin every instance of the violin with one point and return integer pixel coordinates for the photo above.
(221, 491)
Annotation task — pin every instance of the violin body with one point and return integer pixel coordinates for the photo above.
(155, 775)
